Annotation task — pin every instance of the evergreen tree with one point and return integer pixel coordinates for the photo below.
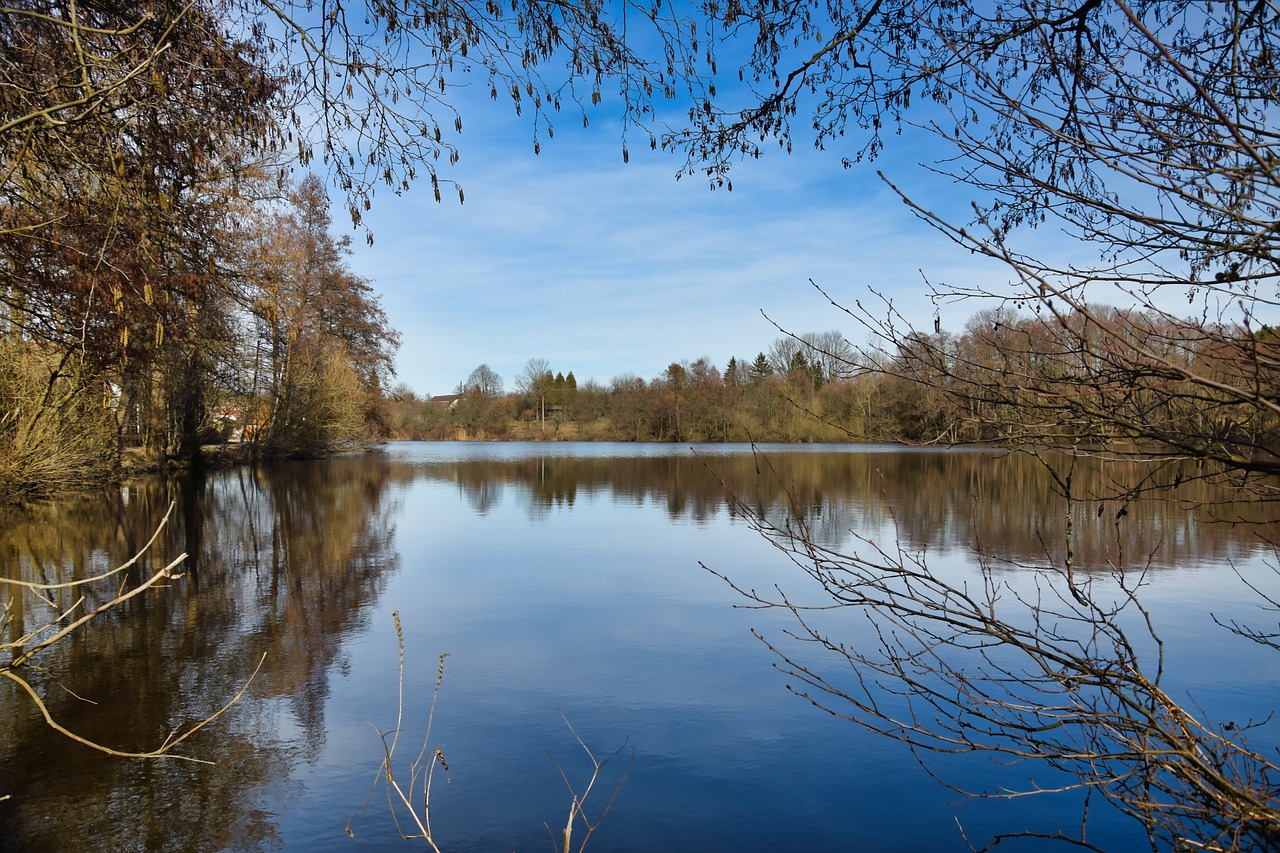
(760, 368)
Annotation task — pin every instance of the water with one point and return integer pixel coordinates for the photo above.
(564, 583)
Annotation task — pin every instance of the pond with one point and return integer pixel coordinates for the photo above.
(573, 590)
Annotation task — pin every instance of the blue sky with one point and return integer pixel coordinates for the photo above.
(606, 268)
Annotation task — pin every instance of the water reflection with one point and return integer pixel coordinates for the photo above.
(292, 562)
(282, 562)
(935, 501)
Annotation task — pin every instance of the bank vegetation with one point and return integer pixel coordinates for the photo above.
(1010, 378)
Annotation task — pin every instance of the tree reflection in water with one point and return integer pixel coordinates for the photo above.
(934, 500)
(283, 561)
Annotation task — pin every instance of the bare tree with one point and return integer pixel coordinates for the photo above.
(831, 353)
(534, 382)
(1145, 132)
(783, 351)
(533, 376)
(482, 381)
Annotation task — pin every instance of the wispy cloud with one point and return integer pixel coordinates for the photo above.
(605, 268)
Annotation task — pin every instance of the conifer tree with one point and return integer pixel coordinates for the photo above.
(760, 368)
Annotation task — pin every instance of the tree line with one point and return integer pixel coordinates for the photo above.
(1009, 377)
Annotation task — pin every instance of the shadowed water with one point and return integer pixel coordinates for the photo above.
(564, 582)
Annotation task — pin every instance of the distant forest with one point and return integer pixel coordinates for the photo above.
(1008, 377)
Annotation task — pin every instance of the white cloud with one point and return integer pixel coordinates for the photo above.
(605, 268)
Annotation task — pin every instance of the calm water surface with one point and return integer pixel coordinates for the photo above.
(564, 583)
